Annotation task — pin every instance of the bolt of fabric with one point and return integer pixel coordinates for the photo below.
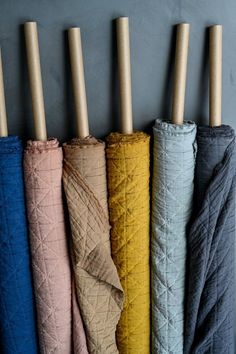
(172, 196)
(128, 159)
(17, 313)
(209, 319)
(49, 250)
(97, 283)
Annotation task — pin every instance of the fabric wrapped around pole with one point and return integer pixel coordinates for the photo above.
(173, 176)
(78, 333)
(17, 315)
(49, 250)
(210, 287)
(98, 287)
(128, 185)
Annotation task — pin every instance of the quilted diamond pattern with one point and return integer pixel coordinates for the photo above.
(210, 287)
(128, 186)
(17, 317)
(173, 174)
(98, 288)
(50, 261)
(78, 334)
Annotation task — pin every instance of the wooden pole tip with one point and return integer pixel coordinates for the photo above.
(33, 56)
(30, 24)
(3, 115)
(180, 75)
(77, 68)
(122, 18)
(123, 51)
(216, 25)
(183, 24)
(74, 29)
(215, 106)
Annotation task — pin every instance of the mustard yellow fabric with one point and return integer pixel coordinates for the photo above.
(128, 187)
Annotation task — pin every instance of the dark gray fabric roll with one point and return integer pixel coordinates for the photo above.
(210, 282)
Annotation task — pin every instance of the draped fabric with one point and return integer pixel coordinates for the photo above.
(49, 251)
(78, 333)
(173, 175)
(98, 287)
(17, 315)
(210, 286)
(128, 185)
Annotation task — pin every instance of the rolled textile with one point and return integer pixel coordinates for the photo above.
(210, 287)
(17, 315)
(78, 334)
(128, 186)
(173, 176)
(98, 288)
(49, 251)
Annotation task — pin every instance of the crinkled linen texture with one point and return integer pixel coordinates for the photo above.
(172, 183)
(49, 251)
(17, 317)
(210, 286)
(98, 287)
(78, 333)
(128, 159)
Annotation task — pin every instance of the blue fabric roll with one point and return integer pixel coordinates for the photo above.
(210, 292)
(17, 316)
(173, 175)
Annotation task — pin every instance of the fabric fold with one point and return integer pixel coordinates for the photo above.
(172, 195)
(128, 186)
(49, 249)
(210, 286)
(17, 315)
(78, 333)
(98, 288)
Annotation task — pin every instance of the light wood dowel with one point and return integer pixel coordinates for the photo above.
(32, 47)
(180, 74)
(77, 69)
(215, 75)
(123, 49)
(3, 115)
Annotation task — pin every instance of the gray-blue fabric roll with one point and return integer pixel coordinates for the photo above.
(210, 291)
(174, 153)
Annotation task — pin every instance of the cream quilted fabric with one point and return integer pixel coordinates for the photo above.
(98, 288)
(78, 334)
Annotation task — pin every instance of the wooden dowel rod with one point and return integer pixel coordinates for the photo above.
(77, 69)
(123, 49)
(180, 74)
(32, 48)
(215, 76)
(3, 115)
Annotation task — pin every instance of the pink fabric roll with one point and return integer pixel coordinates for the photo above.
(49, 251)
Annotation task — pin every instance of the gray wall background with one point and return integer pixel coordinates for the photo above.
(152, 27)
(152, 30)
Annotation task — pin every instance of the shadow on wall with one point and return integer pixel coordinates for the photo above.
(69, 120)
(114, 85)
(202, 98)
(203, 84)
(24, 92)
(165, 109)
(26, 113)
